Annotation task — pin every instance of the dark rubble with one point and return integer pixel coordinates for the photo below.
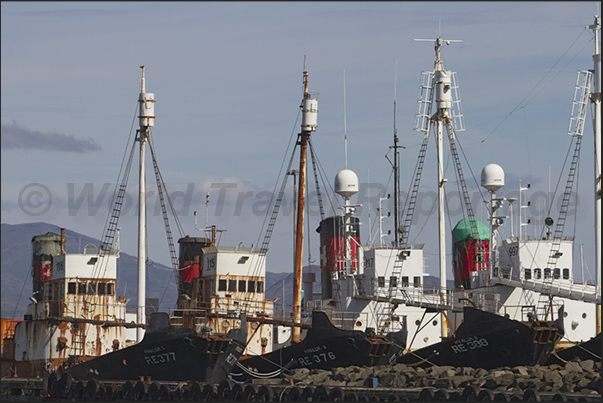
(583, 377)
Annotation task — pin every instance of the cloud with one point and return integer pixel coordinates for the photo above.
(20, 137)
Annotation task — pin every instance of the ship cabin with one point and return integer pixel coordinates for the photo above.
(74, 312)
(529, 260)
(390, 273)
(217, 284)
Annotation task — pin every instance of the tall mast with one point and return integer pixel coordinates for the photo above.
(596, 100)
(146, 119)
(442, 117)
(396, 167)
(309, 119)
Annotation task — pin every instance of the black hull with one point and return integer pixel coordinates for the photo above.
(168, 354)
(589, 350)
(486, 340)
(325, 347)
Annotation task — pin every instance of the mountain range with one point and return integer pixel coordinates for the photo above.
(16, 264)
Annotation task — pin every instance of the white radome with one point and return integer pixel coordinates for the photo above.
(493, 177)
(346, 183)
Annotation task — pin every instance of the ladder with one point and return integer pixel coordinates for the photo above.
(424, 102)
(318, 194)
(168, 231)
(277, 205)
(466, 198)
(576, 129)
(111, 229)
(79, 340)
(412, 198)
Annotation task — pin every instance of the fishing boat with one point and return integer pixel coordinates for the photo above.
(534, 276)
(382, 283)
(320, 344)
(86, 286)
(74, 314)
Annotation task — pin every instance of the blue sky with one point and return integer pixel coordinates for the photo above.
(227, 78)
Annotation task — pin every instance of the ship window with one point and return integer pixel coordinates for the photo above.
(528, 274)
(232, 285)
(537, 273)
(404, 281)
(260, 286)
(251, 286)
(566, 273)
(557, 273)
(417, 281)
(380, 281)
(547, 273)
(91, 288)
(393, 281)
(222, 285)
(241, 285)
(110, 289)
(81, 288)
(101, 288)
(71, 288)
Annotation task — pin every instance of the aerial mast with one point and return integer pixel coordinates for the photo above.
(596, 100)
(146, 116)
(309, 124)
(396, 168)
(442, 118)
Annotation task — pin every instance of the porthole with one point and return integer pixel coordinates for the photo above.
(584, 315)
(435, 322)
(417, 322)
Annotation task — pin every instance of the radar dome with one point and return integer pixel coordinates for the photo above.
(346, 183)
(493, 177)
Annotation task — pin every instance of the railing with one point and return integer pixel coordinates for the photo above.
(420, 296)
(279, 314)
(557, 288)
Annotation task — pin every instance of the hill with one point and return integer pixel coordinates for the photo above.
(16, 264)
(16, 259)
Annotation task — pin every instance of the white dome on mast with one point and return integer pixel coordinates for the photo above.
(346, 183)
(493, 177)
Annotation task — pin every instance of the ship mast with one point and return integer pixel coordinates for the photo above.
(596, 100)
(442, 118)
(146, 120)
(309, 119)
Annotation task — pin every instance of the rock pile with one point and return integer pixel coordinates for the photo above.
(573, 377)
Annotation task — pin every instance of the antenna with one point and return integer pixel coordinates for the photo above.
(206, 209)
(368, 172)
(395, 91)
(305, 79)
(142, 84)
(438, 44)
(345, 136)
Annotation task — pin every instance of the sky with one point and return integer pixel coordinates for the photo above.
(227, 79)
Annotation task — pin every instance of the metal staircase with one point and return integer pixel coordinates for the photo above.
(576, 129)
(466, 198)
(168, 231)
(412, 197)
(111, 229)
